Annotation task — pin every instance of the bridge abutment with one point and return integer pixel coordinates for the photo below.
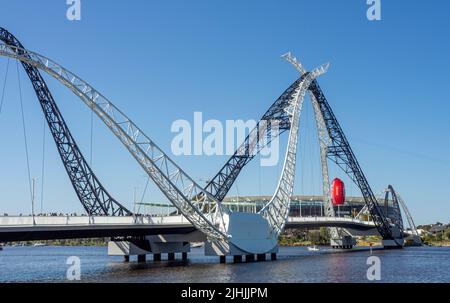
(345, 242)
(141, 248)
(397, 242)
(261, 257)
(393, 244)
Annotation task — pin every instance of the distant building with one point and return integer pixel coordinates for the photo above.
(438, 228)
(305, 206)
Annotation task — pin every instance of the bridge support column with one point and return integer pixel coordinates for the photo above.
(261, 257)
(142, 258)
(171, 256)
(223, 259)
(184, 256)
(157, 257)
(273, 256)
(346, 242)
(249, 258)
(237, 259)
(397, 242)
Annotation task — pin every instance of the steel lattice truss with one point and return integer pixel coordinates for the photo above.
(222, 182)
(334, 146)
(91, 193)
(184, 193)
(277, 210)
(191, 199)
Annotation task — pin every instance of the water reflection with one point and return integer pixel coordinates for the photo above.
(294, 264)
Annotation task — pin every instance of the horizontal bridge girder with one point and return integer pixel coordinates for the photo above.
(13, 229)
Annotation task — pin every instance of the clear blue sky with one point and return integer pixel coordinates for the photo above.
(162, 60)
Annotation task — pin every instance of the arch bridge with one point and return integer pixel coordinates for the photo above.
(201, 209)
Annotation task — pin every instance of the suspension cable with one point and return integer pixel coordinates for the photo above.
(4, 86)
(24, 131)
(92, 136)
(43, 165)
(143, 195)
(302, 142)
(259, 176)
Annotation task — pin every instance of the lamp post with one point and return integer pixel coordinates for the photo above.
(32, 199)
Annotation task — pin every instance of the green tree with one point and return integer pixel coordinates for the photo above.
(314, 237)
(447, 233)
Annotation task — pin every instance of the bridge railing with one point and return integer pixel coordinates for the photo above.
(86, 220)
(11, 221)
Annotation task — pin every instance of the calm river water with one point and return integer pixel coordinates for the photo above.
(294, 264)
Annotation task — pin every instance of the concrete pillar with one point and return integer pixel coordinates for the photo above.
(184, 256)
(126, 259)
(223, 260)
(261, 257)
(141, 258)
(249, 258)
(171, 256)
(237, 259)
(273, 256)
(156, 257)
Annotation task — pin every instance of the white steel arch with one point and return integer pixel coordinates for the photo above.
(324, 142)
(277, 210)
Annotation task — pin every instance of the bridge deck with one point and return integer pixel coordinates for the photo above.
(66, 227)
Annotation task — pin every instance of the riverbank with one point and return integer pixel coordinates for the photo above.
(294, 264)
(438, 243)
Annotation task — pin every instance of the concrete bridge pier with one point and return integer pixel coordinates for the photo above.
(156, 257)
(237, 259)
(346, 242)
(261, 257)
(184, 256)
(397, 242)
(413, 240)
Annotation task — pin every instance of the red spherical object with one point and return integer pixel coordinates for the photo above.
(337, 192)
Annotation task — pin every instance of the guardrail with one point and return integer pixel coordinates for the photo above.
(11, 221)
